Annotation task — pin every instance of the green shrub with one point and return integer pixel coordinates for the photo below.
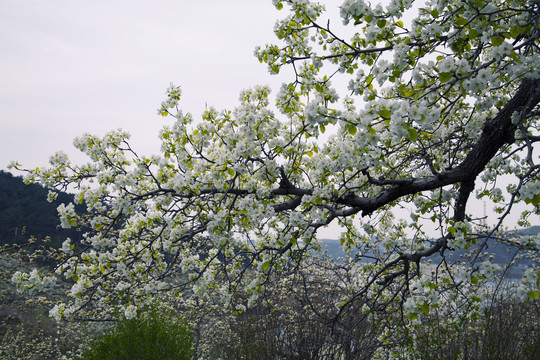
(149, 336)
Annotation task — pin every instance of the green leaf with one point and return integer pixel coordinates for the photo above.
(399, 23)
(381, 23)
(425, 308)
(473, 34)
(413, 316)
(445, 76)
(323, 128)
(230, 171)
(535, 200)
(534, 294)
(435, 13)
(497, 40)
(474, 280)
(413, 134)
(385, 113)
(461, 21)
(352, 129)
(266, 265)
(406, 92)
(515, 32)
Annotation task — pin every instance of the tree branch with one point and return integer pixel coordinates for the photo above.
(496, 133)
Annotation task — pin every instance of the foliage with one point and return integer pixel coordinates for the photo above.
(442, 105)
(151, 335)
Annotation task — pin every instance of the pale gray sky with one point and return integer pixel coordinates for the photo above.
(74, 66)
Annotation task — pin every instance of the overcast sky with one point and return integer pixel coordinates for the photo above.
(74, 66)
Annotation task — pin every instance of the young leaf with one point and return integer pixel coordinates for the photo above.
(445, 76)
(413, 134)
(461, 21)
(534, 294)
(425, 308)
(385, 113)
(497, 40)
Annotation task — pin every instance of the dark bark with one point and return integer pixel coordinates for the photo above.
(496, 133)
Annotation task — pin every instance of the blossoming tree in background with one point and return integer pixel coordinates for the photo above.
(437, 102)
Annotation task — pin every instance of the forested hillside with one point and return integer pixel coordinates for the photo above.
(25, 211)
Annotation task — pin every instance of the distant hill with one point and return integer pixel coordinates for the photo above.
(501, 253)
(26, 207)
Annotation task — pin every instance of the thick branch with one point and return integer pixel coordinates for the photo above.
(496, 133)
(465, 190)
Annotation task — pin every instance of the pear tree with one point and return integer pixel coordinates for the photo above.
(411, 105)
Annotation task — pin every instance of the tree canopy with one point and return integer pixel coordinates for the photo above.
(416, 105)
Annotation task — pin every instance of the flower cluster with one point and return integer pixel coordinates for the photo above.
(31, 282)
